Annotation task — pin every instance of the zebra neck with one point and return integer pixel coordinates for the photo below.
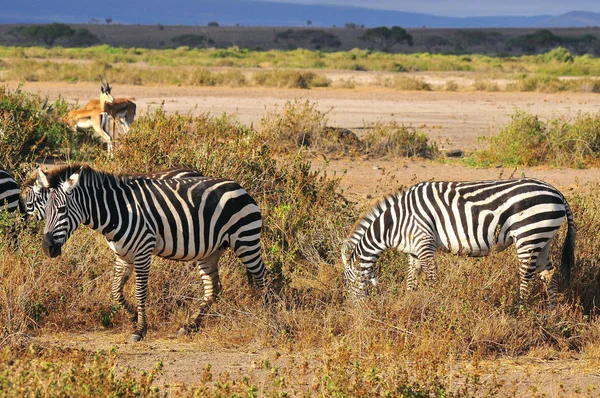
(105, 205)
(374, 241)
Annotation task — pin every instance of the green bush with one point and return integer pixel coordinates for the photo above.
(526, 140)
(35, 132)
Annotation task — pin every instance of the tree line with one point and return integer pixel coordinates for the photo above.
(386, 39)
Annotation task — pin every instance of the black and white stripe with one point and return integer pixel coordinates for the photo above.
(191, 218)
(471, 218)
(10, 194)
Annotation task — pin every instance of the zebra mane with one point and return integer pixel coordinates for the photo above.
(369, 216)
(59, 174)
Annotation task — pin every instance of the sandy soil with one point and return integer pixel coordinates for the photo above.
(455, 119)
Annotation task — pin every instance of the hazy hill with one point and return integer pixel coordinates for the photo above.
(258, 13)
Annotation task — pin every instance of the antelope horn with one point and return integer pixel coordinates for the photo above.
(108, 87)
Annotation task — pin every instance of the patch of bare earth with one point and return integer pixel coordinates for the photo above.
(454, 119)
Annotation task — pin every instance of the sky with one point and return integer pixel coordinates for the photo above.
(467, 8)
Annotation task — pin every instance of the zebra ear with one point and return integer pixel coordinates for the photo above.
(346, 251)
(42, 179)
(72, 181)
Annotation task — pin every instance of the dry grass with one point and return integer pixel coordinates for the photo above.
(395, 343)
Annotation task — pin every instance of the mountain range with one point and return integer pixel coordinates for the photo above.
(258, 13)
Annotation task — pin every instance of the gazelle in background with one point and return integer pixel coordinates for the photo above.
(119, 108)
(93, 118)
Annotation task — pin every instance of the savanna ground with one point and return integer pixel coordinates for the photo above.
(455, 120)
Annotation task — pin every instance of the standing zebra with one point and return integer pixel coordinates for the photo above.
(10, 194)
(471, 218)
(36, 196)
(192, 218)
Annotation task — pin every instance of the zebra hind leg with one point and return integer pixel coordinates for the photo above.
(527, 266)
(209, 272)
(548, 275)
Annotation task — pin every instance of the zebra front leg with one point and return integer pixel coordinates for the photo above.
(429, 265)
(209, 272)
(142, 270)
(122, 272)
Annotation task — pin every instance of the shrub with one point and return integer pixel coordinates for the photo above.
(527, 140)
(301, 125)
(290, 79)
(410, 84)
(392, 139)
(34, 133)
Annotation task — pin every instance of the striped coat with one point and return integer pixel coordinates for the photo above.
(184, 219)
(471, 218)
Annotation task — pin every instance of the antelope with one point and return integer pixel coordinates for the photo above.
(121, 108)
(93, 118)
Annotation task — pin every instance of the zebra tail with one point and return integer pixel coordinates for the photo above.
(568, 250)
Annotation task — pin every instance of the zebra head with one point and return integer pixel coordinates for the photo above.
(36, 199)
(358, 280)
(63, 215)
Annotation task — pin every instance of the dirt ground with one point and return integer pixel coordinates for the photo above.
(454, 119)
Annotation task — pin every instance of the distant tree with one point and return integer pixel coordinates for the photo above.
(308, 22)
(541, 40)
(191, 40)
(93, 21)
(108, 20)
(160, 27)
(385, 38)
(464, 39)
(48, 34)
(213, 24)
(580, 45)
(83, 37)
(350, 25)
(308, 38)
(433, 41)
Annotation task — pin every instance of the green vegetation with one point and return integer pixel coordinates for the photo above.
(34, 133)
(240, 67)
(529, 141)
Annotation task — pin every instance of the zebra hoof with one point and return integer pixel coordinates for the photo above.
(136, 337)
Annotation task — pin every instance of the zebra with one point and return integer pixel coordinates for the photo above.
(10, 194)
(37, 197)
(185, 219)
(472, 218)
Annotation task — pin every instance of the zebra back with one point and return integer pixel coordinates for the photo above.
(10, 193)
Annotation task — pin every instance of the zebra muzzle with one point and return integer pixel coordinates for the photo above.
(50, 248)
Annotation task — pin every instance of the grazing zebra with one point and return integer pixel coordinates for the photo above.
(36, 197)
(472, 218)
(191, 218)
(10, 194)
